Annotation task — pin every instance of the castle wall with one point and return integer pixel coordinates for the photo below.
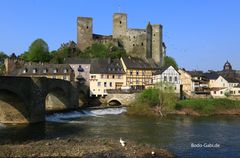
(135, 41)
(84, 32)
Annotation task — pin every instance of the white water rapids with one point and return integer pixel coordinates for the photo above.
(63, 117)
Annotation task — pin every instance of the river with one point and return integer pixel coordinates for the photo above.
(185, 136)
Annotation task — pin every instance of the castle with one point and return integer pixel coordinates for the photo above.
(142, 43)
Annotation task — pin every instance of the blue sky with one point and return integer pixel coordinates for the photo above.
(199, 34)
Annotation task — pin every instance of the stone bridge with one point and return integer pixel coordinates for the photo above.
(26, 99)
(119, 99)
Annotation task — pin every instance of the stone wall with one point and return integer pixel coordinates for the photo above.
(84, 32)
(124, 98)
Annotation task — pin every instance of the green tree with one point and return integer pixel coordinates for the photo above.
(2, 66)
(167, 99)
(170, 61)
(2, 57)
(38, 52)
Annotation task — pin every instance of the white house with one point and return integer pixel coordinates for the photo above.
(168, 75)
(222, 85)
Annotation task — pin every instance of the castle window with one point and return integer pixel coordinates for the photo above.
(142, 43)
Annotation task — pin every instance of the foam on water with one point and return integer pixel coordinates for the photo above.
(64, 117)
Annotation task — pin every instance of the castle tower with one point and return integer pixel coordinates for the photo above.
(119, 25)
(149, 41)
(84, 32)
(157, 46)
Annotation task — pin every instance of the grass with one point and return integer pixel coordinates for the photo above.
(208, 106)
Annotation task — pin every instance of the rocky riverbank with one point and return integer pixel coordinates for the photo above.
(82, 147)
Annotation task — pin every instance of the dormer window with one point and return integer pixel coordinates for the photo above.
(34, 70)
(55, 70)
(80, 69)
(25, 70)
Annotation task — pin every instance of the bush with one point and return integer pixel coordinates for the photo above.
(140, 109)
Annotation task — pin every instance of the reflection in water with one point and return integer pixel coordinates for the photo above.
(175, 133)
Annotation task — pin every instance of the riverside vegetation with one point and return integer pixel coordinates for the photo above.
(161, 100)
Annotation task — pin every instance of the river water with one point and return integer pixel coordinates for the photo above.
(184, 136)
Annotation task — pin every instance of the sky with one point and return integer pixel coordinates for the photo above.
(199, 34)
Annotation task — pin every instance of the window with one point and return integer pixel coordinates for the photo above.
(99, 84)
(133, 44)
(107, 76)
(142, 44)
(55, 71)
(221, 92)
(93, 89)
(119, 76)
(215, 92)
(137, 82)
(238, 92)
(120, 22)
(175, 88)
(170, 79)
(105, 84)
(224, 85)
(165, 78)
(143, 73)
(45, 71)
(110, 84)
(34, 71)
(101, 76)
(131, 80)
(175, 79)
(131, 72)
(65, 71)
(113, 76)
(25, 70)
(64, 77)
(93, 76)
(137, 73)
(87, 27)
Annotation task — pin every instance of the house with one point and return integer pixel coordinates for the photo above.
(56, 71)
(81, 68)
(138, 72)
(168, 75)
(194, 82)
(186, 81)
(106, 74)
(222, 86)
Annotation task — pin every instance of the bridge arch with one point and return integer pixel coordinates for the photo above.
(13, 107)
(114, 102)
(56, 98)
